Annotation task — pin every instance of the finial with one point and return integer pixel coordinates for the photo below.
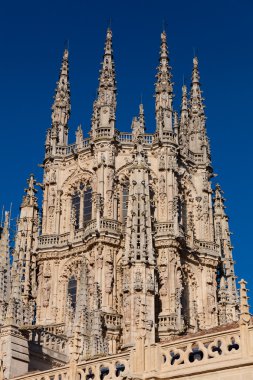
(244, 305)
(195, 71)
(175, 122)
(30, 198)
(141, 118)
(108, 42)
(163, 36)
(184, 102)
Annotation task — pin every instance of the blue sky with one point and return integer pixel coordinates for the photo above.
(32, 36)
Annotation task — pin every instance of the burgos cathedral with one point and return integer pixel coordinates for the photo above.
(127, 272)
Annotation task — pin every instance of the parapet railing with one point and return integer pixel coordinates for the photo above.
(230, 348)
(127, 137)
(184, 356)
(92, 227)
(200, 350)
(113, 367)
(164, 228)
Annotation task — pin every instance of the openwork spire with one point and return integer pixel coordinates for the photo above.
(184, 105)
(107, 81)
(61, 106)
(30, 198)
(163, 89)
(244, 304)
(104, 107)
(196, 100)
(163, 83)
(219, 207)
(4, 265)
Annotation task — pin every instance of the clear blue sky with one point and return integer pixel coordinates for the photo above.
(32, 35)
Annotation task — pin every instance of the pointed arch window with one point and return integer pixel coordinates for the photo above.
(72, 289)
(125, 195)
(82, 205)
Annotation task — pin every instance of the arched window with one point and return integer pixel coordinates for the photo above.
(87, 205)
(152, 202)
(76, 207)
(125, 194)
(72, 286)
(82, 205)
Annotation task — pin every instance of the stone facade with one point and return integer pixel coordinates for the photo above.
(132, 249)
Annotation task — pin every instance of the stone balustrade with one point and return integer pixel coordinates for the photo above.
(113, 367)
(164, 229)
(48, 339)
(103, 133)
(195, 352)
(187, 356)
(105, 226)
(112, 321)
(126, 137)
(206, 246)
(46, 241)
(167, 323)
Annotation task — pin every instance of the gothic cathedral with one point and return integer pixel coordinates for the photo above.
(132, 241)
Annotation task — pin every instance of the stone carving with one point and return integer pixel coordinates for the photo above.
(46, 285)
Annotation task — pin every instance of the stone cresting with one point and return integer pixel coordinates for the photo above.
(131, 250)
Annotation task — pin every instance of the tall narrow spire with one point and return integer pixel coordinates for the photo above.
(104, 107)
(184, 105)
(164, 90)
(198, 140)
(23, 269)
(4, 266)
(196, 100)
(222, 237)
(184, 118)
(61, 106)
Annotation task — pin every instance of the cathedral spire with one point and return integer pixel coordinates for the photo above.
(198, 140)
(184, 105)
(164, 90)
(184, 118)
(222, 238)
(104, 107)
(4, 266)
(61, 106)
(196, 100)
(24, 259)
(30, 198)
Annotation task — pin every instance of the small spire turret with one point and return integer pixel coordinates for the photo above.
(4, 266)
(184, 106)
(196, 100)
(61, 106)
(104, 107)
(30, 198)
(198, 140)
(184, 118)
(244, 305)
(24, 259)
(164, 90)
(222, 238)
